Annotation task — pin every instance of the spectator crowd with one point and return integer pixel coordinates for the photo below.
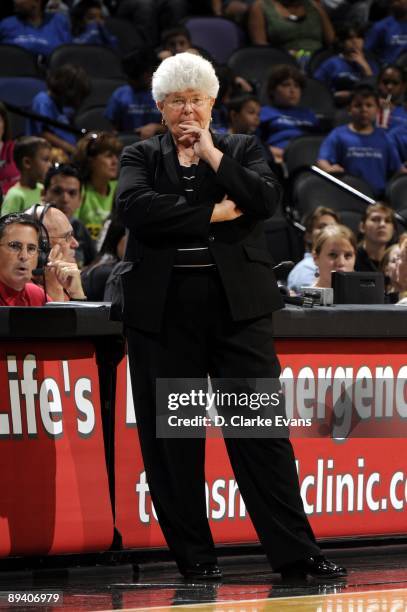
(334, 76)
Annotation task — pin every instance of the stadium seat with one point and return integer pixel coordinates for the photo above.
(318, 57)
(319, 98)
(99, 63)
(311, 190)
(284, 242)
(93, 119)
(396, 194)
(127, 35)
(254, 63)
(220, 37)
(301, 153)
(16, 61)
(100, 93)
(128, 138)
(20, 91)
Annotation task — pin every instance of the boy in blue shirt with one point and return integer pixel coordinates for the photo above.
(360, 148)
(284, 119)
(131, 107)
(88, 25)
(35, 30)
(343, 71)
(68, 86)
(387, 38)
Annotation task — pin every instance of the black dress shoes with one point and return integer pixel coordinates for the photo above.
(317, 567)
(202, 571)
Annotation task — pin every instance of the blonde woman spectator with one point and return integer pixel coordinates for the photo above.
(334, 250)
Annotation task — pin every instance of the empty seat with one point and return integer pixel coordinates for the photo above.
(127, 36)
(16, 61)
(319, 98)
(301, 153)
(93, 119)
(99, 63)
(318, 57)
(101, 90)
(128, 138)
(254, 63)
(396, 194)
(20, 91)
(311, 190)
(220, 37)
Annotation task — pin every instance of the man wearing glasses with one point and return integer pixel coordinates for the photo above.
(62, 278)
(19, 249)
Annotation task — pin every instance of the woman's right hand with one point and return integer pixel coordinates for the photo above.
(225, 211)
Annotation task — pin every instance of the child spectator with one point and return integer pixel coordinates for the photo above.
(360, 148)
(176, 40)
(387, 38)
(343, 71)
(32, 158)
(377, 228)
(305, 271)
(88, 25)
(243, 114)
(391, 86)
(9, 173)
(131, 107)
(97, 157)
(68, 86)
(333, 250)
(284, 119)
(34, 29)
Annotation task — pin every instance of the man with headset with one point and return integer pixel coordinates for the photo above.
(61, 276)
(19, 251)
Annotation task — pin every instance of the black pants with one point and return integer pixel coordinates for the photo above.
(199, 337)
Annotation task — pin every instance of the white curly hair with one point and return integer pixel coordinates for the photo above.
(184, 71)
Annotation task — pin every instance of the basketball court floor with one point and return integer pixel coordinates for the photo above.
(377, 582)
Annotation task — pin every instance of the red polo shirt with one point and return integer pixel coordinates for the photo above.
(31, 295)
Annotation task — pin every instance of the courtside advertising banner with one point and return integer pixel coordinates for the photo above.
(346, 407)
(53, 478)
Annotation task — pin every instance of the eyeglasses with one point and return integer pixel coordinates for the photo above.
(179, 103)
(67, 237)
(17, 248)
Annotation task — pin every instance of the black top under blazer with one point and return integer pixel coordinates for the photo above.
(152, 204)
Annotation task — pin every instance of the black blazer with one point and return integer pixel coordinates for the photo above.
(151, 202)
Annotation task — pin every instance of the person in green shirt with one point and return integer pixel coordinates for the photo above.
(97, 157)
(32, 156)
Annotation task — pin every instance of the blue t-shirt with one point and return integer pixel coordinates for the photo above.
(42, 40)
(371, 157)
(280, 125)
(387, 38)
(398, 118)
(44, 104)
(399, 139)
(303, 274)
(339, 73)
(96, 34)
(128, 109)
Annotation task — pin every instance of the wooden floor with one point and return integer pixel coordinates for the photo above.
(377, 582)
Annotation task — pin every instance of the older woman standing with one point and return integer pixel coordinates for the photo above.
(198, 296)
